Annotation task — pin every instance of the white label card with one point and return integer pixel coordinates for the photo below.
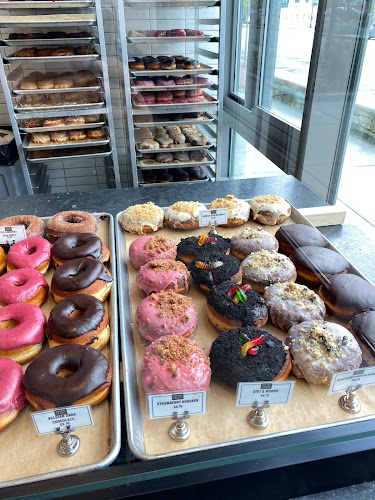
(274, 393)
(9, 235)
(213, 217)
(49, 421)
(164, 405)
(343, 381)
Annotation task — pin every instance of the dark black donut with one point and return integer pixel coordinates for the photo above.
(77, 274)
(76, 245)
(189, 246)
(227, 271)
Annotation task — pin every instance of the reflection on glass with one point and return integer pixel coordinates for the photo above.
(242, 47)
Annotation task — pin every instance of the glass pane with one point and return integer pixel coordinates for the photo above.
(243, 29)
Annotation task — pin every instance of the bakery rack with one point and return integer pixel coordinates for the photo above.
(60, 15)
(207, 49)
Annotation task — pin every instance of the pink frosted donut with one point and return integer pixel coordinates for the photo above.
(163, 274)
(33, 225)
(23, 285)
(147, 248)
(34, 253)
(166, 313)
(24, 341)
(175, 364)
(12, 394)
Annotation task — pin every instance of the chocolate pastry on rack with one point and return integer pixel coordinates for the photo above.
(293, 236)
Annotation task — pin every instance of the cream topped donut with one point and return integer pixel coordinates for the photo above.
(174, 364)
(166, 313)
(261, 269)
(251, 240)
(34, 253)
(142, 219)
(72, 221)
(75, 245)
(21, 332)
(147, 248)
(289, 304)
(33, 225)
(320, 349)
(269, 209)
(12, 394)
(184, 215)
(238, 210)
(163, 274)
(23, 285)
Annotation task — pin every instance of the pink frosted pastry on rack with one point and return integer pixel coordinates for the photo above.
(21, 332)
(12, 393)
(148, 248)
(163, 274)
(34, 253)
(23, 285)
(175, 364)
(166, 313)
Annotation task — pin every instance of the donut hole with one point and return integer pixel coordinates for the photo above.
(8, 324)
(20, 282)
(74, 219)
(65, 373)
(31, 251)
(76, 313)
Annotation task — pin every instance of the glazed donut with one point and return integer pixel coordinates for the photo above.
(67, 375)
(269, 209)
(12, 394)
(72, 221)
(79, 319)
(141, 219)
(83, 275)
(34, 253)
(184, 215)
(3, 260)
(96, 133)
(251, 240)
(192, 247)
(75, 245)
(238, 210)
(23, 285)
(163, 274)
(213, 269)
(21, 332)
(33, 225)
(293, 236)
(147, 248)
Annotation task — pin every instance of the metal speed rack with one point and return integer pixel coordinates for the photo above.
(205, 47)
(71, 17)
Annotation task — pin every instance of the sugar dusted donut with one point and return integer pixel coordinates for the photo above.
(293, 236)
(251, 240)
(79, 319)
(238, 210)
(289, 304)
(192, 247)
(23, 285)
(166, 313)
(72, 221)
(174, 364)
(67, 375)
(147, 248)
(269, 209)
(12, 394)
(142, 219)
(213, 269)
(184, 215)
(33, 225)
(164, 274)
(34, 253)
(320, 349)
(76, 245)
(21, 332)
(87, 276)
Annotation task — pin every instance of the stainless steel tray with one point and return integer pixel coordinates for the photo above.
(60, 59)
(169, 39)
(206, 118)
(65, 4)
(52, 41)
(34, 109)
(46, 20)
(189, 105)
(138, 88)
(62, 127)
(204, 69)
(114, 417)
(146, 4)
(17, 89)
(30, 146)
(181, 147)
(143, 164)
(68, 154)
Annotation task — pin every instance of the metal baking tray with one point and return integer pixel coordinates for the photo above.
(17, 90)
(204, 69)
(114, 417)
(147, 166)
(133, 402)
(205, 118)
(62, 127)
(30, 146)
(190, 105)
(145, 4)
(32, 109)
(181, 147)
(46, 4)
(45, 20)
(143, 184)
(138, 88)
(89, 57)
(51, 41)
(169, 39)
(68, 154)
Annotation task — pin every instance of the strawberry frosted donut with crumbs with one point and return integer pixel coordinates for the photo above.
(163, 274)
(184, 215)
(142, 219)
(147, 248)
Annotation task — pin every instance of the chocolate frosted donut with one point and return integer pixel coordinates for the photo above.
(272, 362)
(81, 276)
(363, 326)
(33, 225)
(79, 319)
(251, 240)
(294, 236)
(77, 245)
(88, 384)
(347, 294)
(315, 264)
(213, 269)
(226, 314)
(189, 248)
(73, 221)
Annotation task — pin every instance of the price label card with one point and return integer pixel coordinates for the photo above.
(342, 381)
(52, 420)
(164, 405)
(9, 235)
(275, 393)
(213, 217)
